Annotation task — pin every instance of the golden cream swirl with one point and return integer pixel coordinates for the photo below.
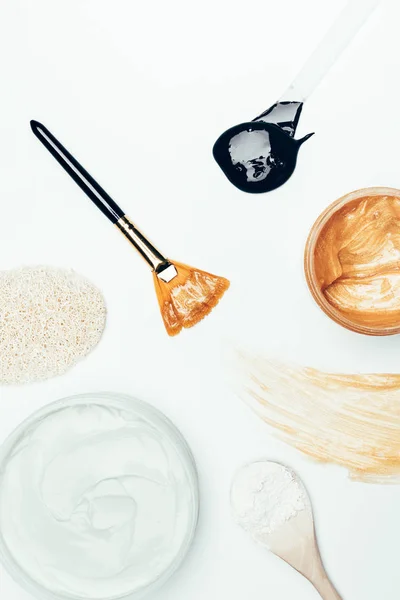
(357, 260)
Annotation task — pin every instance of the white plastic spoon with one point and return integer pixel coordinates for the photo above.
(260, 155)
(271, 503)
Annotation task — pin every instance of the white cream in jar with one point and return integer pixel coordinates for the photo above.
(98, 498)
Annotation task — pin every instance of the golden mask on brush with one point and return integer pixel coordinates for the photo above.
(350, 420)
(185, 295)
(188, 297)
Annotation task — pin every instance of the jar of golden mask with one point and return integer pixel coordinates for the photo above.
(352, 261)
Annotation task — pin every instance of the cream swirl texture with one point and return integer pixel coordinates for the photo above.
(357, 260)
(95, 500)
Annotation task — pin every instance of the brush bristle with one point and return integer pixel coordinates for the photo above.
(188, 297)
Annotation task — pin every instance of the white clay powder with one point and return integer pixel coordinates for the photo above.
(264, 496)
(49, 319)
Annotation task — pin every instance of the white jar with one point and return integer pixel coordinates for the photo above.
(98, 499)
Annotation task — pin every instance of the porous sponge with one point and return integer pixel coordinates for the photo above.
(50, 318)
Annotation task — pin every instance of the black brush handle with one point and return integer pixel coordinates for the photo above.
(85, 181)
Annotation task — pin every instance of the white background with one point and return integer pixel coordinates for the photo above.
(139, 91)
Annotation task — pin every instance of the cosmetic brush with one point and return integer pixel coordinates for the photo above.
(185, 294)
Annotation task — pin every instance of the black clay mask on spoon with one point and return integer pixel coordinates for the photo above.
(260, 155)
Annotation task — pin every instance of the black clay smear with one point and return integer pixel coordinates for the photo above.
(260, 155)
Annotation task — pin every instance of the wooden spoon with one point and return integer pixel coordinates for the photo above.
(289, 534)
(296, 544)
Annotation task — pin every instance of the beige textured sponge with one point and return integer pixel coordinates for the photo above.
(49, 319)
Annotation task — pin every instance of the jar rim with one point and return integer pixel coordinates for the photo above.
(157, 417)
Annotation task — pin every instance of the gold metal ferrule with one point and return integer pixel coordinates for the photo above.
(160, 264)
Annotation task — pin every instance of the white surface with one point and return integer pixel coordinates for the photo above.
(139, 92)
